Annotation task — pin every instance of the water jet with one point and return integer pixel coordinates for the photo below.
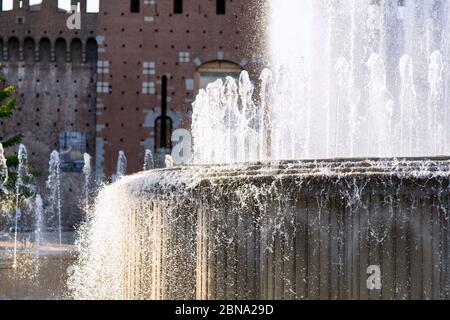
(335, 173)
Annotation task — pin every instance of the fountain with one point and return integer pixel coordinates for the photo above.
(121, 166)
(149, 162)
(54, 188)
(33, 257)
(23, 183)
(3, 180)
(39, 229)
(3, 169)
(87, 171)
(332, 184)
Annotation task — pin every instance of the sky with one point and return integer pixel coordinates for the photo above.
(92, 5)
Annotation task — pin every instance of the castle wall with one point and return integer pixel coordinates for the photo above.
(105, 79)
(54, 72)
(175, 45)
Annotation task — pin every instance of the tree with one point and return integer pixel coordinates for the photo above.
(7, 107)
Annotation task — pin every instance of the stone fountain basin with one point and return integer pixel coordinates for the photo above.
(290, 230)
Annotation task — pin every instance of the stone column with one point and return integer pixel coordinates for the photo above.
(21, 57)
(52, 52)
(36, 53)
(68, 53)
(5, 52)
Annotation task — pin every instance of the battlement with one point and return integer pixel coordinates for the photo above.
(26, 27)
(106, 84)
(38, 33)
(14, 6)
(103, 78)
(43, 50)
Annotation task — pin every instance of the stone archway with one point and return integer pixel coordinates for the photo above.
(214, 70)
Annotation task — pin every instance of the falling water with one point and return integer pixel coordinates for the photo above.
(3, 170)
(408, 107)
(149, 162)
(23, 180)
(39, 230)
(354, 78)
(87, 171)
(436, 109)
(168, 162)
(40, 221)
(54, 187)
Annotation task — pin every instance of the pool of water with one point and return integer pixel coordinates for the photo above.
(41, 271)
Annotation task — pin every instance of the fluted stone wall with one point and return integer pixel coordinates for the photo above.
(298, 231)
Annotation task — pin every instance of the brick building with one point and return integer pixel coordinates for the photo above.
(130, 71)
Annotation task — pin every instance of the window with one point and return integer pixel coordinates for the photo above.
(148, 88)
(102, 66)
(103, 87)
(183, 57)
(189, 84)
(178, 6)
(72, 146)
(20, 20)
(135, 6)
(220, 9)
(148, 68)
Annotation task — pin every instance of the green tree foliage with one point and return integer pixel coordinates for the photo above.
(7, 107)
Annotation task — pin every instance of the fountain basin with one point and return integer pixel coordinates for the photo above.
(287, 230)
(41, 271)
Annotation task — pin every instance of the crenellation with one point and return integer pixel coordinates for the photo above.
(17, 50)
(53, 69)
(50, 5)
(105, 79)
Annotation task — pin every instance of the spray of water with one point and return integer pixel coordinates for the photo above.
(357, 78)
(39, 220)
(39, 230)
(149, 162)
(87, 172)
(3, 169)
(54, 188)
(23, 180)
(346, 80)
(3, 180)
(121, 166)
